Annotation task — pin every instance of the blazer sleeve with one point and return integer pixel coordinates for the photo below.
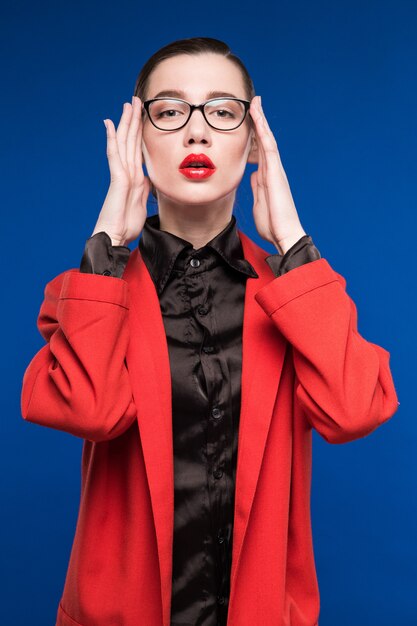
(78, 381)
(343, 382)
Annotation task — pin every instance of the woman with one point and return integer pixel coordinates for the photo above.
(195, 367)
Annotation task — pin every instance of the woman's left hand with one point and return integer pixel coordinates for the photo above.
(274, 211)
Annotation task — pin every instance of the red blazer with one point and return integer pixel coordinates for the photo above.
(104, 375)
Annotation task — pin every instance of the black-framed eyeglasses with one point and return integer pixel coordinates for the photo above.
(174, 113)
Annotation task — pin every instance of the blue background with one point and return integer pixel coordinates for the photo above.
(339, 91)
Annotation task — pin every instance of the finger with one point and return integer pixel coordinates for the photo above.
(132, 135)
(146, 190)
(260, 131)
(268, 149)
(259, 127)
(261, 177)
(138, 172)
(274, 168)
(122, 130)
(138, 147)
(112, 151)
(268, 139)
(254, 185)
(256, 114)
(260, 206)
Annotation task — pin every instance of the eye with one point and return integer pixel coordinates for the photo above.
(224, 109)
(228, 114)
(162, 113)
(167, 109)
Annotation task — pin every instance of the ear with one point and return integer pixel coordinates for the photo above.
(253, 153)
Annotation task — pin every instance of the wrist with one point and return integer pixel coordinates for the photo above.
(285, 243)
(114, 241)
(118, 242)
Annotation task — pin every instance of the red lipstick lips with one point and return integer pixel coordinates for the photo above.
(197, 166)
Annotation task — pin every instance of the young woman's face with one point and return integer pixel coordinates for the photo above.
(163, 151)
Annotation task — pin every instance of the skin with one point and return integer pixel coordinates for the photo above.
(195, 210)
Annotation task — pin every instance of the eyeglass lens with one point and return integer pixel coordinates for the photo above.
(223, 114)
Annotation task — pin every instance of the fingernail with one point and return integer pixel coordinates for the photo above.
(104, 122)
(260, 100)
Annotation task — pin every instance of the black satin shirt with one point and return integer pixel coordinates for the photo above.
(201, 293)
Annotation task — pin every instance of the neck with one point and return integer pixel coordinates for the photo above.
(196, 223)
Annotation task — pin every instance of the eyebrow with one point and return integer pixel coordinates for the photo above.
(178, 93)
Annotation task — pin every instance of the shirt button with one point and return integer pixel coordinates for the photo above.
(218, 473)
(202, 310)
(208, 349)
(195, 262)
(106, 273)
(220, 599)
(216, 412)
(220, 537)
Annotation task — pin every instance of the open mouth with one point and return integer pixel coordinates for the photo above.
(197, 172)
(197, 161)
(196, 165)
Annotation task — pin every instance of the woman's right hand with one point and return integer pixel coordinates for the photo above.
(124, 212)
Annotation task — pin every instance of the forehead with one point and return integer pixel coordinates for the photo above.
(197, 77)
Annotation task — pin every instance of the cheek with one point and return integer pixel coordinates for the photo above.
(152, 154)
(235, 155)
(155, 146)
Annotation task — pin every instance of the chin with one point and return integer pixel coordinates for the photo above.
(196, 193)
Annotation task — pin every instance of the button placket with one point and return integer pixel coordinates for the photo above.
(210, 354)
(216, 452)
(195, 262)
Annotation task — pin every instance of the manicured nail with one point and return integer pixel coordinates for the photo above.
(104, 121)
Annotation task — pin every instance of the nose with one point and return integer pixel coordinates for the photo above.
(197, 128)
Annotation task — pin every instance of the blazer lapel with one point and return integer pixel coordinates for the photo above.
(147, 358)
(263, 352)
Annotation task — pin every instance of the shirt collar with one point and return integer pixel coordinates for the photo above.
(160, 250)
